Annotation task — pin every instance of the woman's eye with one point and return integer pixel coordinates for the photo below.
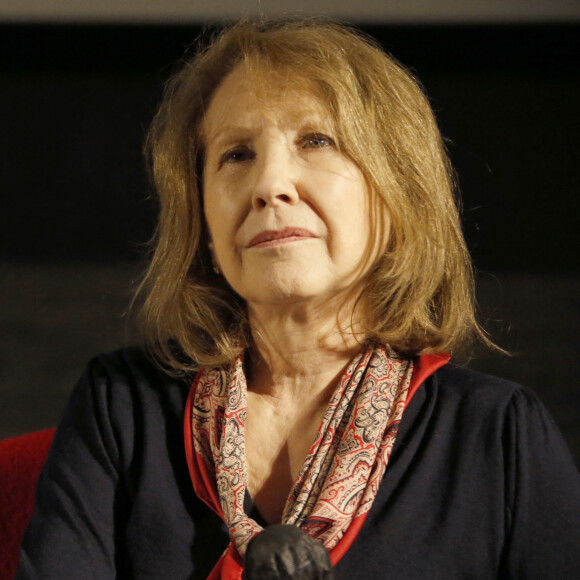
(317, 141)
(237, 155)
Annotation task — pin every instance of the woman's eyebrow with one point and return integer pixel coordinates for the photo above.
(224, 135)
(316, 122)
(301, 121)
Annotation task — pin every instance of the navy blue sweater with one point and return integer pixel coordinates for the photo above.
(479, 485)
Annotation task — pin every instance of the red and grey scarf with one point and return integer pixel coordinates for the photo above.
(340, 477)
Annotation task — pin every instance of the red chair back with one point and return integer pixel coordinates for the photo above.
(21, 459)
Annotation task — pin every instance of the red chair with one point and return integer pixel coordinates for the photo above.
(21, 459)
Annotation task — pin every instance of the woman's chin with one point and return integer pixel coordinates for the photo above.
(288, 284)
(284, 292)
(293, 294)
(280, 295)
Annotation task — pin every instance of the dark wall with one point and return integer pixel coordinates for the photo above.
(76, 101)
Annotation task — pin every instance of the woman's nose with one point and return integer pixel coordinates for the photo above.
(276, 176)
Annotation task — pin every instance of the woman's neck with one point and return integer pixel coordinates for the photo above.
(299, 351)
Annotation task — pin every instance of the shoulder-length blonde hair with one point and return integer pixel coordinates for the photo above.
(420, 291)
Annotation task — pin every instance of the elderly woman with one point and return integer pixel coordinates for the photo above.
(308, 280)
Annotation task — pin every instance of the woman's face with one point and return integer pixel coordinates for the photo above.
(289, 215)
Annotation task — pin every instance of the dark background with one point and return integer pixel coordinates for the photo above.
(75, 102)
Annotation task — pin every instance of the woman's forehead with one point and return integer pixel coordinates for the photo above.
(248, 93)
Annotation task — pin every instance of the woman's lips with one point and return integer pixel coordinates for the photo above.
(271, 237)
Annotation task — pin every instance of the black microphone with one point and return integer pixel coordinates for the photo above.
(282, 552)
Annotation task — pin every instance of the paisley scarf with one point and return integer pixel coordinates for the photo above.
(342, 471)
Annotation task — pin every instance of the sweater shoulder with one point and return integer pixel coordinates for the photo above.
(127, 388)
(462, 386)
(124, 360)
(131, 366)
(460, 378)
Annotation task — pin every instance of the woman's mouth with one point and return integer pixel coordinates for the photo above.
(274, 237)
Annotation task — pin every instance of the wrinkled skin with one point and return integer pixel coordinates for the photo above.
(286, 552)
